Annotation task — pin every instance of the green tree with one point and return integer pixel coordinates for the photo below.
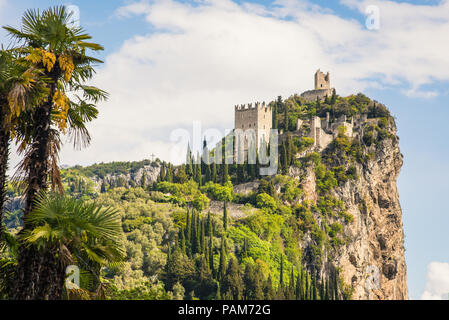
(20, 89)
(286, 118)
(222, 264)
(214, 172)
(65, 230)
(232, 281)
(268, 289)
(225, 215)
(48, 41)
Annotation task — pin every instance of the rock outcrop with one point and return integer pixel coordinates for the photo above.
(372, 261)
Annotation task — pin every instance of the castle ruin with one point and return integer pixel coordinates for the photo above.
(254, 122)
(253, 125)
(322, 88)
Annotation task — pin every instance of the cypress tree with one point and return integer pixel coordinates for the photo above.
(198, 173)
(143, 181)
(222, 265)
(291, 287)
(193, 233)
(162, 174)
(183, 243)
(333, 97)
(203, 237)
(169, 175)
(188, 227)
(168, 259)
(298, 293)
(286, 117)
(218, 294)
(225, 215)
(214, 172)
(208, 173)
(209, 225)
(233, 282)
(275, 115)
(281, 273)
(211, 255)
(322, 288)
(291, 153)
(268, 289)
(189, 168)
(225, 176)
(335, 285)
(245, 248)
(307, 290)
(198, 244)
(284, 159)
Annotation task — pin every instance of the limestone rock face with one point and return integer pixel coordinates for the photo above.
(151, 173)
(373, 263)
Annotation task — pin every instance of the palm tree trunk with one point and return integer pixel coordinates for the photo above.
(42, 278)
(38, 164)
(4, 154)
(33, 276)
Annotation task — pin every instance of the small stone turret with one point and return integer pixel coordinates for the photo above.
(322, 87)
(322, 81)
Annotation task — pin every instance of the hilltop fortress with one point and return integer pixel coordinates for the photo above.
(257, 119)
(322, 88)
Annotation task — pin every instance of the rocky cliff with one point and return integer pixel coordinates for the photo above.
(371, 260)
(350, 184)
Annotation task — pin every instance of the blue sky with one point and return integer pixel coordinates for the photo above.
(171, 62)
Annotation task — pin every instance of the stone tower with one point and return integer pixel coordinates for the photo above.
(322, 81)
(253, 120)
(322, 88)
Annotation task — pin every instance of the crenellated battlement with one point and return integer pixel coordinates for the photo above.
(250, 106)
(253, 118)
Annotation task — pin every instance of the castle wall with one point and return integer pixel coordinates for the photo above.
(257, 119)
(312, 95)
(322, 81)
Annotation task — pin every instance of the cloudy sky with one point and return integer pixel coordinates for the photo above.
(169, 63)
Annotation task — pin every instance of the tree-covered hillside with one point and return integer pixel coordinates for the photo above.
(280, 247)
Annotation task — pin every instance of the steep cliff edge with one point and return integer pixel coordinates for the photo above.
(371, 258)
(373, 262)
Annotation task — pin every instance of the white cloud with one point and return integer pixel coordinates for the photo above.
(437, 285)
(204, 59)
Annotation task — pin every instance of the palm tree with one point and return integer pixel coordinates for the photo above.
(8, 263)
(48, 41)
(69, 231)
(20, 88)
(51, 44)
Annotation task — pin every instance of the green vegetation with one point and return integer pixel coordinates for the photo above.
(140, 237)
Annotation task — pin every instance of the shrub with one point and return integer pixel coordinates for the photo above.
(266, 202)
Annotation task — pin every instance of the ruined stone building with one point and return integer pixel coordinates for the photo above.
(252, 125)
(322, 87)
